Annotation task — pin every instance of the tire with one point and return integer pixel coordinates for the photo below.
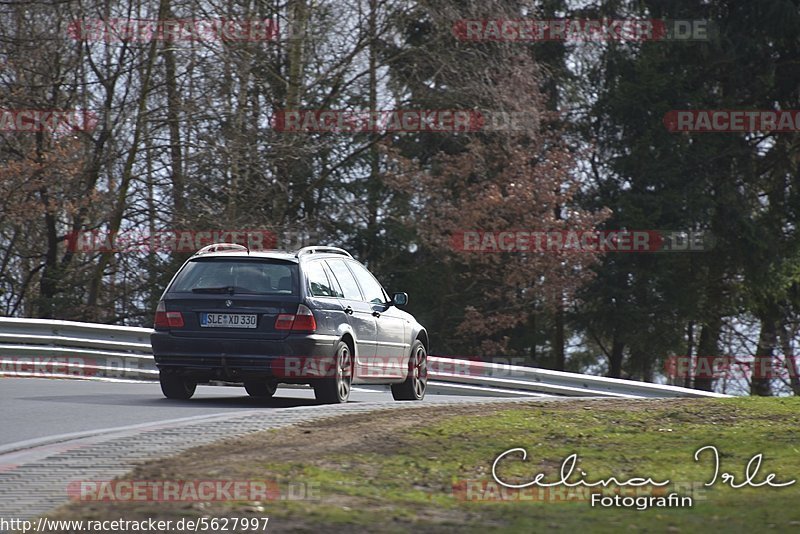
(413, 389)
(175, 386)
(262, 389)
(336, 389)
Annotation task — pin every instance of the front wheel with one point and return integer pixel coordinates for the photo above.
(413, 389)
(175, 386)
(336, 389)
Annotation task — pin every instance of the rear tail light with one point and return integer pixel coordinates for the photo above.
(165, 319)
(302, 321)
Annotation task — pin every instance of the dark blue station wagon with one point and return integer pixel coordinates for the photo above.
(315, 316)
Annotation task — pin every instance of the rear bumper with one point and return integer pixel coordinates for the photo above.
(236, 360)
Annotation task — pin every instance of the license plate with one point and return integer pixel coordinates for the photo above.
(228, 320)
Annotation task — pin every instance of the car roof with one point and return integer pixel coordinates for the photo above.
(283, 255)
(265, 254)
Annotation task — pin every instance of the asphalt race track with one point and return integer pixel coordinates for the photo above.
(37, 408)
(59, 431)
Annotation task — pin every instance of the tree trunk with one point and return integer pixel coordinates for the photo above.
(708, 345)
(646, 366)
(762, 370)
(374, 183)
(294, 91)
(707, 350)
(175, 147)
(786, 336)
(687, 380)
(558, 340)
(617, 355)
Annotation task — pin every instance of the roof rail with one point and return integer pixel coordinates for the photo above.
(222, 247)
(317, 250)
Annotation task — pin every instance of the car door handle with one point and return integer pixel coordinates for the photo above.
(376, 314)
(348, 310)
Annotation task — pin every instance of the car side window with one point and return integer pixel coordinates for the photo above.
(345, 278)
(337, 291)
(318, 281)
(373, 292)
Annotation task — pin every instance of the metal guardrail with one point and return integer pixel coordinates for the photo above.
(67, 349)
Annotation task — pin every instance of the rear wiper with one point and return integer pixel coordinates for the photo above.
(223, 289)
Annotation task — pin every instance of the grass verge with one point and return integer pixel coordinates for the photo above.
(429, 469)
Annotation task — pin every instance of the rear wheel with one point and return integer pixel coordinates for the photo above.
(336, 389)
(413, 389)
(261, 388)
(175, 386)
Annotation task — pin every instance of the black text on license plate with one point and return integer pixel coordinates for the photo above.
(228, 320)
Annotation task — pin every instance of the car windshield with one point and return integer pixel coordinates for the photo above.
(237, 276)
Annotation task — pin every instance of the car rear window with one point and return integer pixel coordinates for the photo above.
(237, 276)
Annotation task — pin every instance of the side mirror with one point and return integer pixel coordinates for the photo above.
(399, 299)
